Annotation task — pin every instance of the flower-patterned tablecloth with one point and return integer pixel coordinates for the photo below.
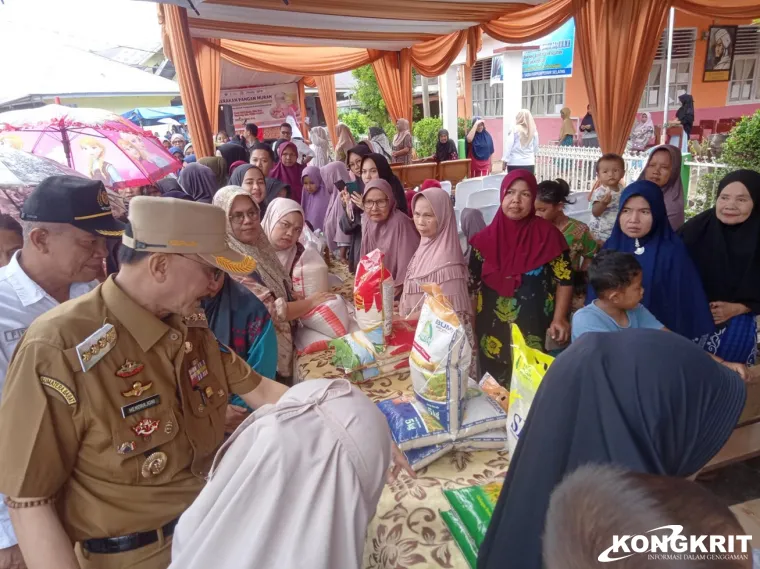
(407, 530)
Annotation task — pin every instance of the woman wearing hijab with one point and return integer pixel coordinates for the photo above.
(252, 180)
(283, 225)
(345, 142)
(199, 182)
(320, 145)
(288, 170)
(724, 243)
(170, 188)
(481, 148)
(642, 135)
(685, 118)
(521, 144)
(445, 149)
(439, 260)
(315, 197)
(380, 143)
(567, 131)
(240, 320)
(673, 291)
(375, 166)
(588, 130)
(317, 460)
(664, 169)
(234, 165)
(644, 400)
(232, 152)
(218, 166)
(262, 156)
(521, 274)
(402, 143)
(335, 176)
(473, 222)
(384, 227)
(270, 282)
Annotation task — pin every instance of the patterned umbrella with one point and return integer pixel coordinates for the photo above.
(20, 172)
(97, 143)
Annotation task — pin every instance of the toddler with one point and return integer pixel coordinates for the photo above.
(605, 200)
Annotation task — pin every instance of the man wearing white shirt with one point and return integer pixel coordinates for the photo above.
(66, 220)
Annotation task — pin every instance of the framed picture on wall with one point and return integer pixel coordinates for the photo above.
(720, 53)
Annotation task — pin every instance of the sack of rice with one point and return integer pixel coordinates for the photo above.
(373, 298)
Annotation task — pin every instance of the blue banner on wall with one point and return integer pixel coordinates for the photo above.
(554, 58)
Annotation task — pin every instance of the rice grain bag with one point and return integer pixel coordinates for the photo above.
(528, 368)
(373, 298)
(310, 272)
(440, 360)
(481, 414)
(411, 425)
(330, 318)
(474, 505)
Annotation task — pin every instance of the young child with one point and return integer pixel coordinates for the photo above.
(616, 279)
(605, 200)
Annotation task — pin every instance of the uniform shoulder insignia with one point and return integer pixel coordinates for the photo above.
(97, 345)
(60, 388)
(197, 320)
(222, 348)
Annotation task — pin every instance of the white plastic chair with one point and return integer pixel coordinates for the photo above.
(446, 185)
(464, 189)
(493, 181)
(482, 198)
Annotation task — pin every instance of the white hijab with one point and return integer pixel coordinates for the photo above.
(276, 210)
(296, 484)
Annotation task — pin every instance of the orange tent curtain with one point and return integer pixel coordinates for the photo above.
(328, 98)
(395, 87)
(609, 36)
(725, 9)
(191, 92)
(208, 61)
(532, 23)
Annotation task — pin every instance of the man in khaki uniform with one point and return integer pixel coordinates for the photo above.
(115, 402)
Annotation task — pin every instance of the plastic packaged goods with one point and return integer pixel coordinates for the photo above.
(373, 298)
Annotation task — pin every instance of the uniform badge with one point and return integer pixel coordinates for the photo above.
(154, 464)
(97, 345)
(146, 427)
(139, 406)
(126, 448)
(197, 371)
(137, 389)
(62, 390)
(129, 369)
(188, 347)
(209, 391)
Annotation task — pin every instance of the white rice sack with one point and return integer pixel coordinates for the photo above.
(310, 273)
(481, 414)
(411, 425)
(490, 440)
(421, 457)
(329, 318)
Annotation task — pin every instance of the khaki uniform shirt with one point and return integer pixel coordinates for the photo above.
(91, 438)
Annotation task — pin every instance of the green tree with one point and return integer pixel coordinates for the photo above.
(426, 135)
(368, 94)
(356, 121)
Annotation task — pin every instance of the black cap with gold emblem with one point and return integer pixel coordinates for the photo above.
(77, 201)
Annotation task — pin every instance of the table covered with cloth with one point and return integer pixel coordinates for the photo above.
(407, 530)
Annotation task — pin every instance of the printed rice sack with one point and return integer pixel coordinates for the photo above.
(373, 298)
(310, 272)
(440, 359)
(481, 414)
(528, 368)
(355, 351)
(330, 318)
(474, 506)
(461, 537)
(411, 425)
(419, 458)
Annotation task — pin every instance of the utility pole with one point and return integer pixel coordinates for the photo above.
(425, 98)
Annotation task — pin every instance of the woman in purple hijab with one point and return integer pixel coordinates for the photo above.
(315, 197)
(288, 170)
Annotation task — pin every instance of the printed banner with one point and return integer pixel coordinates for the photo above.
(265, 106)
(554, 58)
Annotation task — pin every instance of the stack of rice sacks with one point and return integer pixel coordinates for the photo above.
(447, 411)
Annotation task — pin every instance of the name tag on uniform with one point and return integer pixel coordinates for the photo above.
(139, 406)
(13, 335)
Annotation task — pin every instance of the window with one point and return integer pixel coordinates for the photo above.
(681, 64)
(743, 87)
(487, 99)
(544, 96)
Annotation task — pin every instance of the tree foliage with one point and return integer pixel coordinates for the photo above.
(425, 133)
(367, 93)
(357, 122)
(742, 147)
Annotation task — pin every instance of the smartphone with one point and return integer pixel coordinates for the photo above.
(353, 187)
(341, 185)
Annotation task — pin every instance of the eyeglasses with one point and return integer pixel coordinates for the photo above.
(239, 217)
(372, 204)
(217, 273)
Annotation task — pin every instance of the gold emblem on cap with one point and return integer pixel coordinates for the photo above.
(180, 243)
(103, 198)
(154, 464)
(247, 265)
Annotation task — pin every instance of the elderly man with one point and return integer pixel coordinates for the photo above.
(65, 222)
(115, 402)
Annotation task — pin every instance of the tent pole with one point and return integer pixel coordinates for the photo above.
(671, 20)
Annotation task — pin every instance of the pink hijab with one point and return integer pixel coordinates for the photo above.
(315, 205)
(437, 260)
(332, 173)
(396, 236)
(290, 175)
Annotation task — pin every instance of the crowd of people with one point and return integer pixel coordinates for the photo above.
(199, 293)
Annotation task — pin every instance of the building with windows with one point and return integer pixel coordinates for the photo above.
(546, 97)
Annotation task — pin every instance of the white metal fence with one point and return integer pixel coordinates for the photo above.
(577, 166)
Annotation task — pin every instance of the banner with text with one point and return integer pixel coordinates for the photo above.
(554, 56)
(265, 106)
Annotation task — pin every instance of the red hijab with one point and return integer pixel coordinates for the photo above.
(511, 248)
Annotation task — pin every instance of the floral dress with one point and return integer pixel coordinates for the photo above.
(531, 308)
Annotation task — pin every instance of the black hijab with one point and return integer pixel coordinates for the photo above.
(645, 400)
(233, 152)
(728, 256)
(443, 152)
(685, 113)
(385, 172)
